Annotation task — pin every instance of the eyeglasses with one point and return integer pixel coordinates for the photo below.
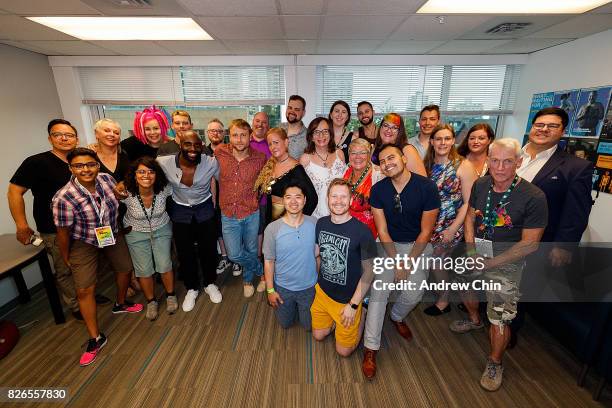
(320, 132)
(216, 131)
(397, 203)
(67, 135)
(360, 153)
(145, 172)
(81, 166)
(552, 126)
(390, 127)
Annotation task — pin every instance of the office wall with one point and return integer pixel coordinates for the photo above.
(28, 101)
(579, 64)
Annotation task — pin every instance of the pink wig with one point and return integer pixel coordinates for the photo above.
(146, 115)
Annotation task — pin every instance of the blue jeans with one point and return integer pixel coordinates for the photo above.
(241, 239)
(295, 304)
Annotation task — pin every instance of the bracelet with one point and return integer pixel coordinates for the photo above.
(270, 290)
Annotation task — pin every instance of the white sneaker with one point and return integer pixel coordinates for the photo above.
(189, 301)
(223, 265)
(236, 269)
(213, 291)
(249, 290)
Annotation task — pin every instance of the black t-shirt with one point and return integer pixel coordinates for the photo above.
(123, 163)
(342, 248)
(135, 149)
(44, 174)
(420, 194)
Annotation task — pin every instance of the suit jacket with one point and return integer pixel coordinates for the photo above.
(566, 180)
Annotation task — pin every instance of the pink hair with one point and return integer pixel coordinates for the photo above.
(146, 115)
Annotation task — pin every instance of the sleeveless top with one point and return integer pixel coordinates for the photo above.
(345, 146)
(360, 198)
(321, 177)
(451, 199)
(362, 135)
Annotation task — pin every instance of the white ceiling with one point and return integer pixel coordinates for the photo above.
(284, 27)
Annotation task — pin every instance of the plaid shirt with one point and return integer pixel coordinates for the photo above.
(72, 207)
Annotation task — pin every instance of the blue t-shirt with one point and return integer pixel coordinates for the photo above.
(420, 194)
(292, 249)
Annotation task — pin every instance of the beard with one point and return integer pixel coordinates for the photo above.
(365, 121)
(197, 159)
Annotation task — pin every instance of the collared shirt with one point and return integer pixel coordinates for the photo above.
(237, 196)
(136, 217)
(531, 167)
(73, 207)
(414, 140)
(297, 141)
(261, 146)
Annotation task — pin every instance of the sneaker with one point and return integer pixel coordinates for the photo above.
(93, 348)
(223, 265)
(152, 308)
(464, 326)
(127, 307)
(213, 292)
(236, 269)
(171, 304)
(249, 290)
(189, 301)
(491, 378)
(261, 286)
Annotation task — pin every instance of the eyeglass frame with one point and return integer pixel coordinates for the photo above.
(67, 135)
(89, 165)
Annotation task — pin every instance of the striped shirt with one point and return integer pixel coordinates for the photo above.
(73, 207)
(139, 221)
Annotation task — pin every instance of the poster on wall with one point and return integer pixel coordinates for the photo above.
(539, 101)
(568, 101)
(606, 129)
(592, 108)
(584, 148)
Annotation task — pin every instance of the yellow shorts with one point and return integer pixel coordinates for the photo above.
(325, 311)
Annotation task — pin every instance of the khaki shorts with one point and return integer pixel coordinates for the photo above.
(502, 304)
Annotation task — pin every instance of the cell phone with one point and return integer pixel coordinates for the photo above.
(35, 240)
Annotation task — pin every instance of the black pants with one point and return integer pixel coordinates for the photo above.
(205, 235)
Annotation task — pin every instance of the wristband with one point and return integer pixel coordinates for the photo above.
(471, 252)
(270, 290)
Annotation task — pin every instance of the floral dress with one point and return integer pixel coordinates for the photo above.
(451, 199)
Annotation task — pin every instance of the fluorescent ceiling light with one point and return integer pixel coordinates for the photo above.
(510, 7)
(126, 28)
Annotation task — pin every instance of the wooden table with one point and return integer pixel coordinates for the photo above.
(15, 256)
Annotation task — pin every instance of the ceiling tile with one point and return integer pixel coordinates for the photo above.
(250, 47)
(133, 47)
(373, 6)
(302, 27)
(243, 28)
(24, 46)
(70, 48)
(302, 46)
(160, 8)
(467, 46)
(359, 27)
(347, 46)
(301, 6)
(47, 8)
(527, 45)
(427, 27)
(537, 23)
(18, 29)
(195, 47)
(230, 8)
(577, 27)
(407, 47)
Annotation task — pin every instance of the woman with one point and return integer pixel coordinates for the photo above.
(322, 161)
(150, 129)
(475, 146)
(280, 170)
(151, 236)
(362, 175)
(454, 177)
(392, 131)
(114, 160)
(340, 116)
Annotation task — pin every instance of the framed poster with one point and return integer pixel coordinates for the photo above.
(592, 108)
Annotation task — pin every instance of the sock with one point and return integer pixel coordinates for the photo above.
(99, 337)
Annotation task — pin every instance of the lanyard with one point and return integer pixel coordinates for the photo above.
(99, 210)
(490, 216)
(144, 210)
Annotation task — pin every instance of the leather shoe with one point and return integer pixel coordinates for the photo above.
(102, 300)
(368, 367)
(434, 311)
(403, 329)
(77, 315)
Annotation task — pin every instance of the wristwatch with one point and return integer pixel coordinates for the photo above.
(354, 306)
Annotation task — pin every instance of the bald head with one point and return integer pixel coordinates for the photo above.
(261, 125)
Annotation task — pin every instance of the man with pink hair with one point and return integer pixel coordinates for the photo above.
(150, 131)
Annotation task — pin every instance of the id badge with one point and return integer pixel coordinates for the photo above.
(105, 236)
(484, 247)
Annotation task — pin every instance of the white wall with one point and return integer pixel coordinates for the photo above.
(29, 100)
(582, 63)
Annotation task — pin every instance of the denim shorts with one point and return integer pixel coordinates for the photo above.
(150, 256)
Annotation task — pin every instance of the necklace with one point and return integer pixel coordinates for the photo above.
(282, 161)
(324, 160)
(490, 216)
(363, 174)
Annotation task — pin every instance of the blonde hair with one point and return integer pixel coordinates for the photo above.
(360, 142)
(103, 121)
(262, 184)
(507, 143)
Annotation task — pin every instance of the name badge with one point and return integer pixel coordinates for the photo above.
(484, 247)
(105, 236)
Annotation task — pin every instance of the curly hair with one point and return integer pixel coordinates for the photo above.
(130, 178)
(262, 184)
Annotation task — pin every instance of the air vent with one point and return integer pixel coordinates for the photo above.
(132, 4)
(506, 28)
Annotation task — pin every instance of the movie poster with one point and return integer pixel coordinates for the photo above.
(539, 101)
(606, 129)
(568, 101)
(592, 108)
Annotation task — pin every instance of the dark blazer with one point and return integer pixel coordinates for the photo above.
(567, 181)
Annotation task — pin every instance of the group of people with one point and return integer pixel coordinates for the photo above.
(298, 211)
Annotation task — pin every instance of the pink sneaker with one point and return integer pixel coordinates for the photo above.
(93, 348)
(127, 307)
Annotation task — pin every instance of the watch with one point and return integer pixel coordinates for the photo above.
(354, 306)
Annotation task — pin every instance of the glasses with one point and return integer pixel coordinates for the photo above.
(81, 166)
(552, 126)
(390, 127)
(67, 135)
(216, 131)
(361, 153)
(397, 204)
(145, 172)
(320, 132)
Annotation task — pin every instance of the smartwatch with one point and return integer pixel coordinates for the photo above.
(354, 306)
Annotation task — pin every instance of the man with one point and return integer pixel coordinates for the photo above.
(296, 131)
(589, 115)
(429, 118)
(405, 206)
(181, 121)
(504, 223)
(44, 174)
(346, 248)
(192, 213)
(290, 260)
(365, 114)
(85, 214)
(239, 167)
